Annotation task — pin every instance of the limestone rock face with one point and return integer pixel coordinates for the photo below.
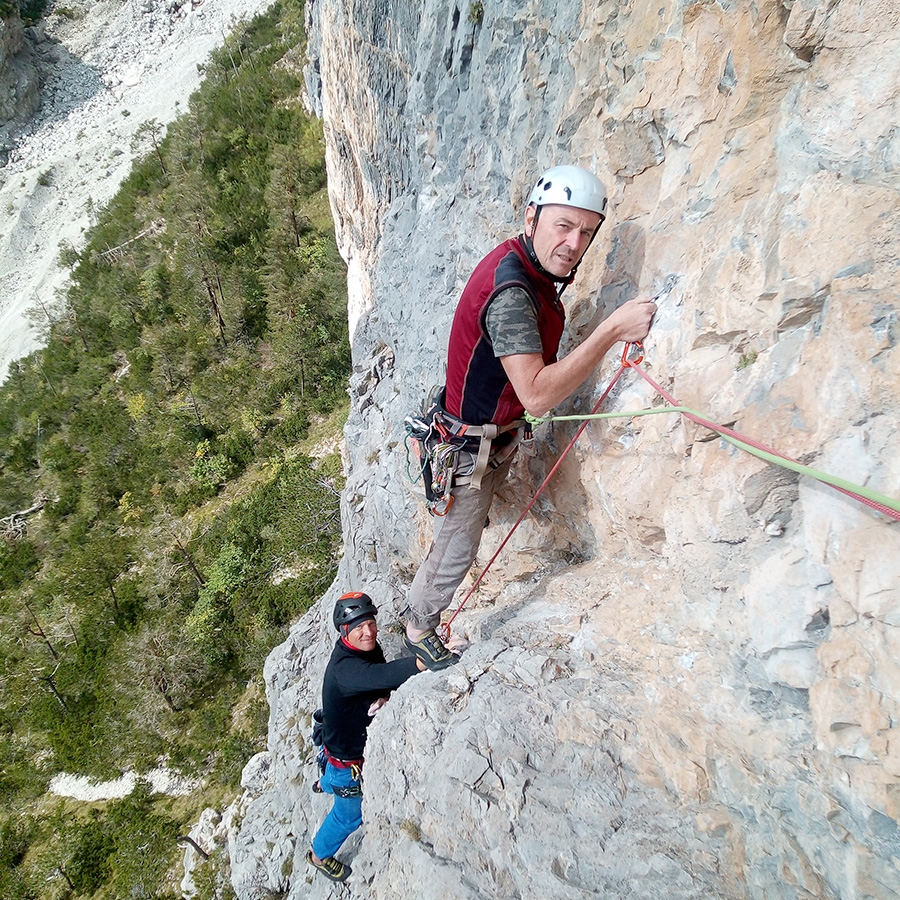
(683, 679)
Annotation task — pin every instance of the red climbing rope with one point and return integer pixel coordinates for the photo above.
(721, 429)
(446, 626)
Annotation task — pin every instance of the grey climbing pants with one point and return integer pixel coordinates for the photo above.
(456, 539)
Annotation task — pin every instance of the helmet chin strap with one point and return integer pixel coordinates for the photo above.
(562, 280)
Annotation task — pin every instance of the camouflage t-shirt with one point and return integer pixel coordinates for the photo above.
(512, 323)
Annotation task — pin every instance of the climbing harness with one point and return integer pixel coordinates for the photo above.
(883, 504)
(353, 790)
(439, 440)
(355, 765)
(324, 756)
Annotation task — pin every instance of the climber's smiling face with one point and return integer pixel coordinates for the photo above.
(363, 636)
(562, 235)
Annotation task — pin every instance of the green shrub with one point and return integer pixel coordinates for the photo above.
(145, 845)
(89, 865)
(18, 562)
(209, 470)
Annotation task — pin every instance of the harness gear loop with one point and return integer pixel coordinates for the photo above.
(438, 438)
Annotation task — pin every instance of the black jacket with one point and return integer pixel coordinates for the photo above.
(354, 679)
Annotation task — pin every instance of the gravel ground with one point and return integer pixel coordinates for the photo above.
(110, 65)
(162, 781)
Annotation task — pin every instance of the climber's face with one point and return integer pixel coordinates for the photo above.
(364, 636)
(561, 236)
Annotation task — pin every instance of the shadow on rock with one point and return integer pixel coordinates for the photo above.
(51, 83)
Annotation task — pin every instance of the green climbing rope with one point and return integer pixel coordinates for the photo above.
(773, 458)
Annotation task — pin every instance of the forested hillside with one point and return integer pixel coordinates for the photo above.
(165, 510)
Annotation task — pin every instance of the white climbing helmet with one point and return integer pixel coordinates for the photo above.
(570, 186)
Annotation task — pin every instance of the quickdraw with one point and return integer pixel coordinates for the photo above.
(436, 457)
(637, 347)
(443, 463)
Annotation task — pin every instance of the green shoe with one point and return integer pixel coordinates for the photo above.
(431, 650)
(331, 868)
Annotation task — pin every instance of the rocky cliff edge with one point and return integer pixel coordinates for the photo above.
(683, 680)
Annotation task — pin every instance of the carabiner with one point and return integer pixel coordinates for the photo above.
(448, 502)
(638, 347)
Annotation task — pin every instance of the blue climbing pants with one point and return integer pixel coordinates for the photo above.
(345, 816)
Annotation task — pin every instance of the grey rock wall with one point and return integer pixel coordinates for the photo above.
(19, 79)
(683, 680)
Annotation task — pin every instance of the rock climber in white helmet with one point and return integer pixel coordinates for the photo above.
(501, 362)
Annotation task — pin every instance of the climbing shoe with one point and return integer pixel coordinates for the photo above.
(331, 868)
(431, 650)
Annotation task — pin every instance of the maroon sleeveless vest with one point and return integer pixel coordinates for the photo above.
(478, 390)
